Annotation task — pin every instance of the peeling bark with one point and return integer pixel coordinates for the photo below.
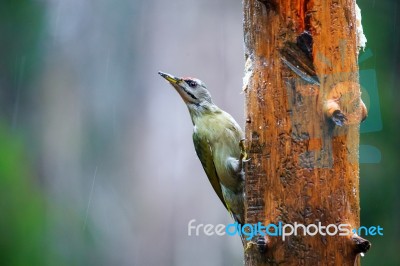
(301, 78)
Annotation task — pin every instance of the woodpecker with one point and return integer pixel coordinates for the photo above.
(218, 141)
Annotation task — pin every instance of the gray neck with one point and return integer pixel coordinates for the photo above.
(204, 108)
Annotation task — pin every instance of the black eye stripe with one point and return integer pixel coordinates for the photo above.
(189, 93)
(191, 83)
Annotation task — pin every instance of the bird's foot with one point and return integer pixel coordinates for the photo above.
(261, 243)
(249, 245)
(243, 154)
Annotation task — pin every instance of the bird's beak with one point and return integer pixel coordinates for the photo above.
(171, 79)
(178, 84)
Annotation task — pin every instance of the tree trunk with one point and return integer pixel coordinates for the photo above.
(303, 110)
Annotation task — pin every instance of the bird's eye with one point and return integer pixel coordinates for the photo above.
(191, 83)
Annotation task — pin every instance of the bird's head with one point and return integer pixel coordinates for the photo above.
(192, 90)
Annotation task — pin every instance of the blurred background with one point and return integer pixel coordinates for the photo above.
(97, 165)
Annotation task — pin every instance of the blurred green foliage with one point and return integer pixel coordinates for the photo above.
(22, 207)
(21, 32)
(23, 214)
(22, 220)
(379, 183)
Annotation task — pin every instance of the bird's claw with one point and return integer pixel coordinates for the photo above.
(249, 245)
(261, 244)
(243, 154)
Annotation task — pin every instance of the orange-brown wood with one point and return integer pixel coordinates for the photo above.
(303, 167)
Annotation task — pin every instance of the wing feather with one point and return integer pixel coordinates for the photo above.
(204, 152)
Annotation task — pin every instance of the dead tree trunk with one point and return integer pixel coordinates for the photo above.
(302, 127)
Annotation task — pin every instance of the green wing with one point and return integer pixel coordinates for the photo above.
(205, 155)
